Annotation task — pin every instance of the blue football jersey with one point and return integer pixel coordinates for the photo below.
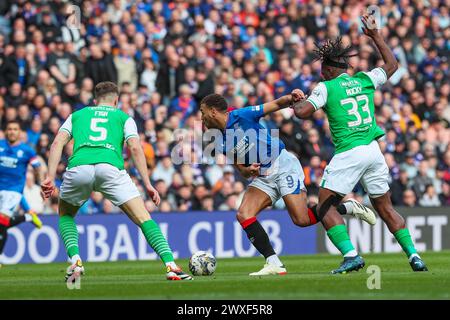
(246, 141)
(14, 161)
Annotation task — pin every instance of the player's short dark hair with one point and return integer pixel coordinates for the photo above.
(333, 53)
(15, 121)
(215, 101)
(105, 88)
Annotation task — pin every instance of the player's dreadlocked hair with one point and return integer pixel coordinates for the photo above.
(333, 53)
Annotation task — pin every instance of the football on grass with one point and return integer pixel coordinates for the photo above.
(202, 263)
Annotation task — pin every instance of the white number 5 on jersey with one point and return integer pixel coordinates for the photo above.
(96, 128)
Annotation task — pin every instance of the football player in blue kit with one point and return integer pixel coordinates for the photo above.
(275, 172)
(15, 156)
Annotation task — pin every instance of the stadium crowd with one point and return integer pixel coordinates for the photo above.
(167, 55)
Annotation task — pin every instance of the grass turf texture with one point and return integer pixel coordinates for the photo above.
(308, 278)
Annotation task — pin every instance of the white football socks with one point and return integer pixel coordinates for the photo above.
(351, 253)
(171, 264)
(75, 258)
(274, 260)
(412, 256)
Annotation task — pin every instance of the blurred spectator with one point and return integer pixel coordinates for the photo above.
(313, 174)
(398, 187)
(409, 166)
(165, 206)
(115, 10)
(291, 135)
(108, 207)
(314, 146)
(48, 25)
(148, 76)
(170, 77)
(200, 193)
(126, 67)
(205, 83)
(34, 132)
(430, 197)
(409, 198)
(32, 193)
(184, 196)
(14, 97)
(207, 204)
(15, 68)
(422, 180)
(184, 104)
(164, 170)
(100, 65)
(95, 203)
(60, 64)
(231, 204)
(408, 118)
(444, 197)
(221, 195)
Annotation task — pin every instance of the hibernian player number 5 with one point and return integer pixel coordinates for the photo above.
(96, 128)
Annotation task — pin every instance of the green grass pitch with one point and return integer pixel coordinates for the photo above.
(308, 278)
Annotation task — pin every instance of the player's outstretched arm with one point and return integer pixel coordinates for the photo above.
(302, 108)
(370, 29)
(278, 104)
(137, 153)
(56, 149)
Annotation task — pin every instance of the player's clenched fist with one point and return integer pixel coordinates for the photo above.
(254, 169)
(370, 27)
(298, 95)
(153, 194)
(47, 188)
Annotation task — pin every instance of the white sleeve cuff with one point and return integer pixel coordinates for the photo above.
(319, 95)
(378, 77)
(130, 129)
(67, 125)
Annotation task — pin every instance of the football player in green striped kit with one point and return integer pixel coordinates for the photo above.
(99, 133)
(348, 103)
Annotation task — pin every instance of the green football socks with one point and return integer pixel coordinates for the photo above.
(404, 239)
(340, 238)
(69, 234)
(157, 241)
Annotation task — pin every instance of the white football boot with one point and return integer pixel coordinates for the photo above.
(177, 274)
(74, 271)
(362, 212)
(270, 269)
